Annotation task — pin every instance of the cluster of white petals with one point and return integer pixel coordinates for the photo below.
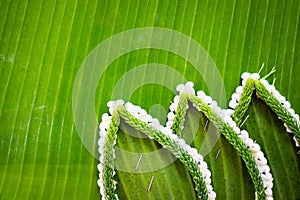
(113, 105)
(197, 158)
(187, 88)
(246, 75)
(171, 115)
(138, 112)
(260, 159)
(103, 129)
(235, 98)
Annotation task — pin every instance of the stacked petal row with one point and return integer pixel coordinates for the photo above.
(175, 123)
(142, 115)
(260, 159)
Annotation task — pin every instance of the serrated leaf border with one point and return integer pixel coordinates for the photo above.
(240, 101)
(226, 121)
(190, 157)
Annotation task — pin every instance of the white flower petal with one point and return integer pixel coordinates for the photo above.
(281, 99)
(214, 105)
(203, 165)
(248, 142)
(236, 97)
(239, 90)
(190, 84)
(113, 105)
(198, 158)
(100, 167)
(208, 100)
(236, 130)
(265, 82)
(206, 173)
(201, 94)
(277, 95)
(193, 151)
(105, 117)
(269, 192)
(101, 142)
(229, 112)
(212, 195)
(244, 82)
(265, 169)
(258, 155)
(100, 184)
(255, 76)
(176, 99)
(103, 126)
(186, 88)
(268, 184)
(207, 180)
(173, 107)
(233, 104)
(167, 131)
(180, 87)
(171, 116)
(245, 75)
(262, 161)
(181, 142)
(292, 111)
(102, 133)
(169, 124)
(271, 88)
(244, 133)
(296, 116)
(209, 188)
(287, 104)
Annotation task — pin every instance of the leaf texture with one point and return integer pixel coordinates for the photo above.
(43, 44)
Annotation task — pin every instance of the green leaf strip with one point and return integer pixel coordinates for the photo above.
(140, 120)
(169, 136)
(281, 107)
(108, 136)
(241, 99)
(178, 108)
(249, 150)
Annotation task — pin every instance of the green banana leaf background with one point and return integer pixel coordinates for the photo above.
(42, 46)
